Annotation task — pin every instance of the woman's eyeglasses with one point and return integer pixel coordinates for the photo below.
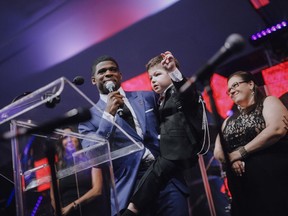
(234, 86)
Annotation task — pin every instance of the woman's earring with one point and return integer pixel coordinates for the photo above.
(239, 108)
(252, 92)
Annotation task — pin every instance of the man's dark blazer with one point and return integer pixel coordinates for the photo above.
(144, 104)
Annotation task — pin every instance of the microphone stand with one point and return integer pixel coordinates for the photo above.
(190, 82)
(206, 180)
(217, 120)
(234, 43)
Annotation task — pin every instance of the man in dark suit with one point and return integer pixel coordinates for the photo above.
(143, 129)
(181, 117)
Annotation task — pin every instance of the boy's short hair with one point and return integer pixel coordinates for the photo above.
(157, 60)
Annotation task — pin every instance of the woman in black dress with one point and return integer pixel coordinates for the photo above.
(82, 193)
(254, 148)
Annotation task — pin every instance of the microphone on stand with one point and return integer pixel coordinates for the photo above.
(233, 44)
(73, 116)
(110, 86)
(78, 80)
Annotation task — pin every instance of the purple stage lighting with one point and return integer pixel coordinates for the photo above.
(269, 33)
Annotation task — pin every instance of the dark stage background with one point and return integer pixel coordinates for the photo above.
(41, 41)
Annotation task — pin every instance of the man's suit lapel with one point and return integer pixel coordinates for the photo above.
(101, 105)
(137, 103)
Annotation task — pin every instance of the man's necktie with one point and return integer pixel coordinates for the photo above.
(128, 117)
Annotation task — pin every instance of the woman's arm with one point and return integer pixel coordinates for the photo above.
(275, 115)
(52, 197)
(96, 190)
(218, 150)
(237, 166)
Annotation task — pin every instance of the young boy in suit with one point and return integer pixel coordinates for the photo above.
(181, 117)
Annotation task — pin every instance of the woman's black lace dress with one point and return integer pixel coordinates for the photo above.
(263, 188)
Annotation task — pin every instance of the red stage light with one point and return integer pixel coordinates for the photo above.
(259, 3)
(138, 83)
(223, 103)
(42, 175)
(276, 79)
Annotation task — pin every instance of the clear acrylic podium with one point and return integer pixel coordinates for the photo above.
(30, 151)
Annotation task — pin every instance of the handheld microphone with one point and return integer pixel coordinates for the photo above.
(110, 86)
(73, 116)
(233, 44)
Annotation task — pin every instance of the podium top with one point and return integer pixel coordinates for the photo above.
(49, 103)
(60, 95)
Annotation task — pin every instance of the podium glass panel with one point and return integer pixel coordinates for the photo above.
(38, 130)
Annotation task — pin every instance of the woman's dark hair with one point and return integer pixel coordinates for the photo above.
(247, 77)
(62, 160)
